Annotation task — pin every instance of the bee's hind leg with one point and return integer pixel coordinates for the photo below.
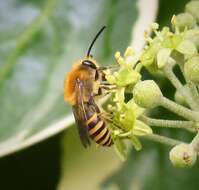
(105, 116)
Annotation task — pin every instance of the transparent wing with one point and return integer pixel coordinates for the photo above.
(79, 111)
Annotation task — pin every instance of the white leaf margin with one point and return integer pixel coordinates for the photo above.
(148, 12)
(17, 143)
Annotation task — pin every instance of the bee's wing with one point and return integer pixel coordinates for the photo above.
(79, 111)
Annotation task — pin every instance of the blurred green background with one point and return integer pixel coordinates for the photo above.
(39, 42)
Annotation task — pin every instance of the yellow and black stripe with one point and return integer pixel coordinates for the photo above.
(98, 131)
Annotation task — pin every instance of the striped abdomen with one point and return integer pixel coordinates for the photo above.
(98, 131)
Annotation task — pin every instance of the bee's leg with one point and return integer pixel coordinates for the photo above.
(104, 88)
(96, 75)
(108, 86)
(99, 92)
(111, 67)
(101, 71)
(105, 116)
(102, 68)
(104, 82)
(100, 75)
(103, 91)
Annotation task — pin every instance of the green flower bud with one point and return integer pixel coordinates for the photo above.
(179, 98)
(184, 20)
(191, 69)
(193, 35)
(192, 8)
(183, 156)
(147, 94)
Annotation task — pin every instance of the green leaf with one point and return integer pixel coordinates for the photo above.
(31, 74)
(39, 43)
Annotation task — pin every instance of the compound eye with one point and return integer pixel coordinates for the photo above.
(89, 63)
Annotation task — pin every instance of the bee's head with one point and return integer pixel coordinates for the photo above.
(89, 63)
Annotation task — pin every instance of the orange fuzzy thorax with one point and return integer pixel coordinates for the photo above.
(70, 80)
(69, 84)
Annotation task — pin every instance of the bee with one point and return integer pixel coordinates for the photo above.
(81, 85)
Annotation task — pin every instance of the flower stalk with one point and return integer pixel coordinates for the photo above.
(187, 125)
(179, 110)
(177, 84)
(162, 139)
(195, 143)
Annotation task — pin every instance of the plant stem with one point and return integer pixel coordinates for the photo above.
(162, 139)
(191, 87)
(188, 125)
(195, 143)
(194, 91)
(154, 137)
(177, 84)
(179, 110)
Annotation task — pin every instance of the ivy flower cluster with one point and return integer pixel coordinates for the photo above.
(134, 98)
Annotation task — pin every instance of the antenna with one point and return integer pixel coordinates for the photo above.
(97, 35)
